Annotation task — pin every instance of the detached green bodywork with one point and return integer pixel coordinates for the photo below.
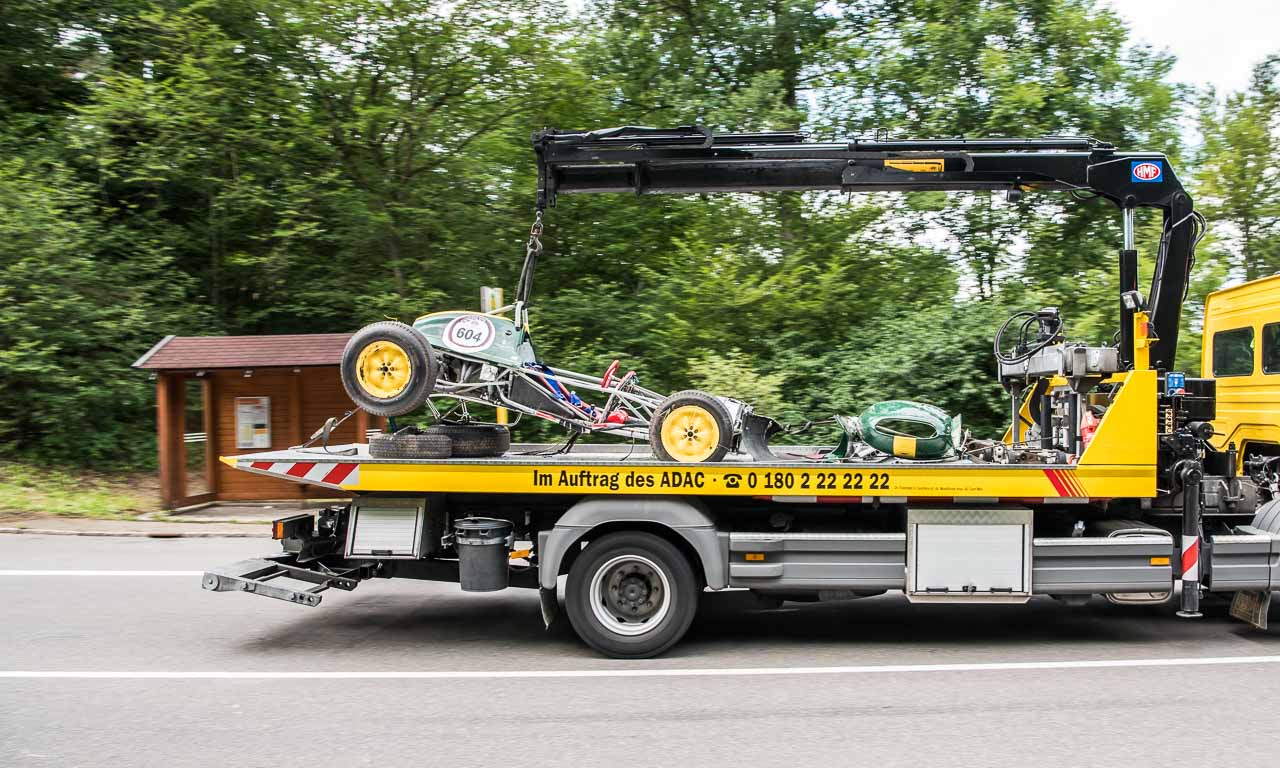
(510, 347)
(902, 428)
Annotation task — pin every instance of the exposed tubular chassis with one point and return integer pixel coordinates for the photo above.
(490, 393)
(751, 431)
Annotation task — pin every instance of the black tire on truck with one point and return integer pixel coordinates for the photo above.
(410, 445)
(388, 369)
(631, 595)
(474, 441)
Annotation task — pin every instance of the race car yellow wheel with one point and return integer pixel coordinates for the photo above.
(690, 427)
(384, 369)
(388, 369)
(689, 433)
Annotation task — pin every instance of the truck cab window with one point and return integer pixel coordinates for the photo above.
(1271, 348)
(1233, 352)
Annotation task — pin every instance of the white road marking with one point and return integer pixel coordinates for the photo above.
(99, 573)
(1010, 666)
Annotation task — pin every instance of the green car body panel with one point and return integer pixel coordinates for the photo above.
(477, 336)
(903, 428)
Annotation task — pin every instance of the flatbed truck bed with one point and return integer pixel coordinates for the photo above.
(798, 475)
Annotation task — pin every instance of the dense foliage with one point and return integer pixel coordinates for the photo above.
(243, 166)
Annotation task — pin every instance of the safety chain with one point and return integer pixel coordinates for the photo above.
(534, 246)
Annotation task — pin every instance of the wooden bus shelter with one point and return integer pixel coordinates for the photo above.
(243, 394)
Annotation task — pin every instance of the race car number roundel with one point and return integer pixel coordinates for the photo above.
(470, 333)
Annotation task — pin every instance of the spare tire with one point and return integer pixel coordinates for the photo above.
(410, 445)
(474, 441)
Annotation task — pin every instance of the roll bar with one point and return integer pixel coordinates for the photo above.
(694, 160)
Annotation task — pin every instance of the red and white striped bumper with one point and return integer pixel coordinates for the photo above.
(328, 474)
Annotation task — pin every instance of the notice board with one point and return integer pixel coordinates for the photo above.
(253, 422)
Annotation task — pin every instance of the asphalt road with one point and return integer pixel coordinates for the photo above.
(703, 711)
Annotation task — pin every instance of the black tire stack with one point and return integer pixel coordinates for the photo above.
(443, 441)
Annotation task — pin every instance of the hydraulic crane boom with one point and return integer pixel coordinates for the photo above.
(691, 159)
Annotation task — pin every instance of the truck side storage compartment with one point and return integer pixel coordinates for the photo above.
(971, 555)
(386, 528)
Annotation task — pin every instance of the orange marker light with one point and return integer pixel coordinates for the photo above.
(757, 556)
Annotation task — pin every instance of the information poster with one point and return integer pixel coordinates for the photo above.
(253, 422)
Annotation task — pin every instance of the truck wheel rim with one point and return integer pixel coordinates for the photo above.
(690, 433)
(630, 595)
(384, 369)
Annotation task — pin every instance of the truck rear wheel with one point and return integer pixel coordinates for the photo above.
(631, 595)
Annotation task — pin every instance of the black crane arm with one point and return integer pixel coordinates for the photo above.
(691, 159)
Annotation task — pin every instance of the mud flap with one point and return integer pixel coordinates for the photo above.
(756, 431)
(1252, 607)
(550, 606)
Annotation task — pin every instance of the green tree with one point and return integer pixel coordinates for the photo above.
(232, 166)
(1238, 174)
(72, 320)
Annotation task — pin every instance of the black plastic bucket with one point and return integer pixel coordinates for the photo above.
(483, 544)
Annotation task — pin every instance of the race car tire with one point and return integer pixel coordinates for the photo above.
(410, 445)
(474, 441)
(691, 426)
(388, 369)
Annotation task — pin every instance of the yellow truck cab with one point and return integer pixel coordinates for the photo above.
(1241, 350)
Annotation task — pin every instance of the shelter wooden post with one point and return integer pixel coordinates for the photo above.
(295, 409)
(209, 407)
(362, 425)
(170, 418)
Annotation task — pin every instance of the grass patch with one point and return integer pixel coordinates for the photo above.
(30, 490)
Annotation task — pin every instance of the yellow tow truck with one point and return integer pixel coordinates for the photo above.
(1241, 352)
(1111, 478)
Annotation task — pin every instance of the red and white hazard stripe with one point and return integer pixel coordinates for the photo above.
(1191, 558)
(327, 473)
(1066, 484)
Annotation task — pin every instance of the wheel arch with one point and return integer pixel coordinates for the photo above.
(686, 523)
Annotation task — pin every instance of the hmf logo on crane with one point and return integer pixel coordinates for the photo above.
(1145, 170)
